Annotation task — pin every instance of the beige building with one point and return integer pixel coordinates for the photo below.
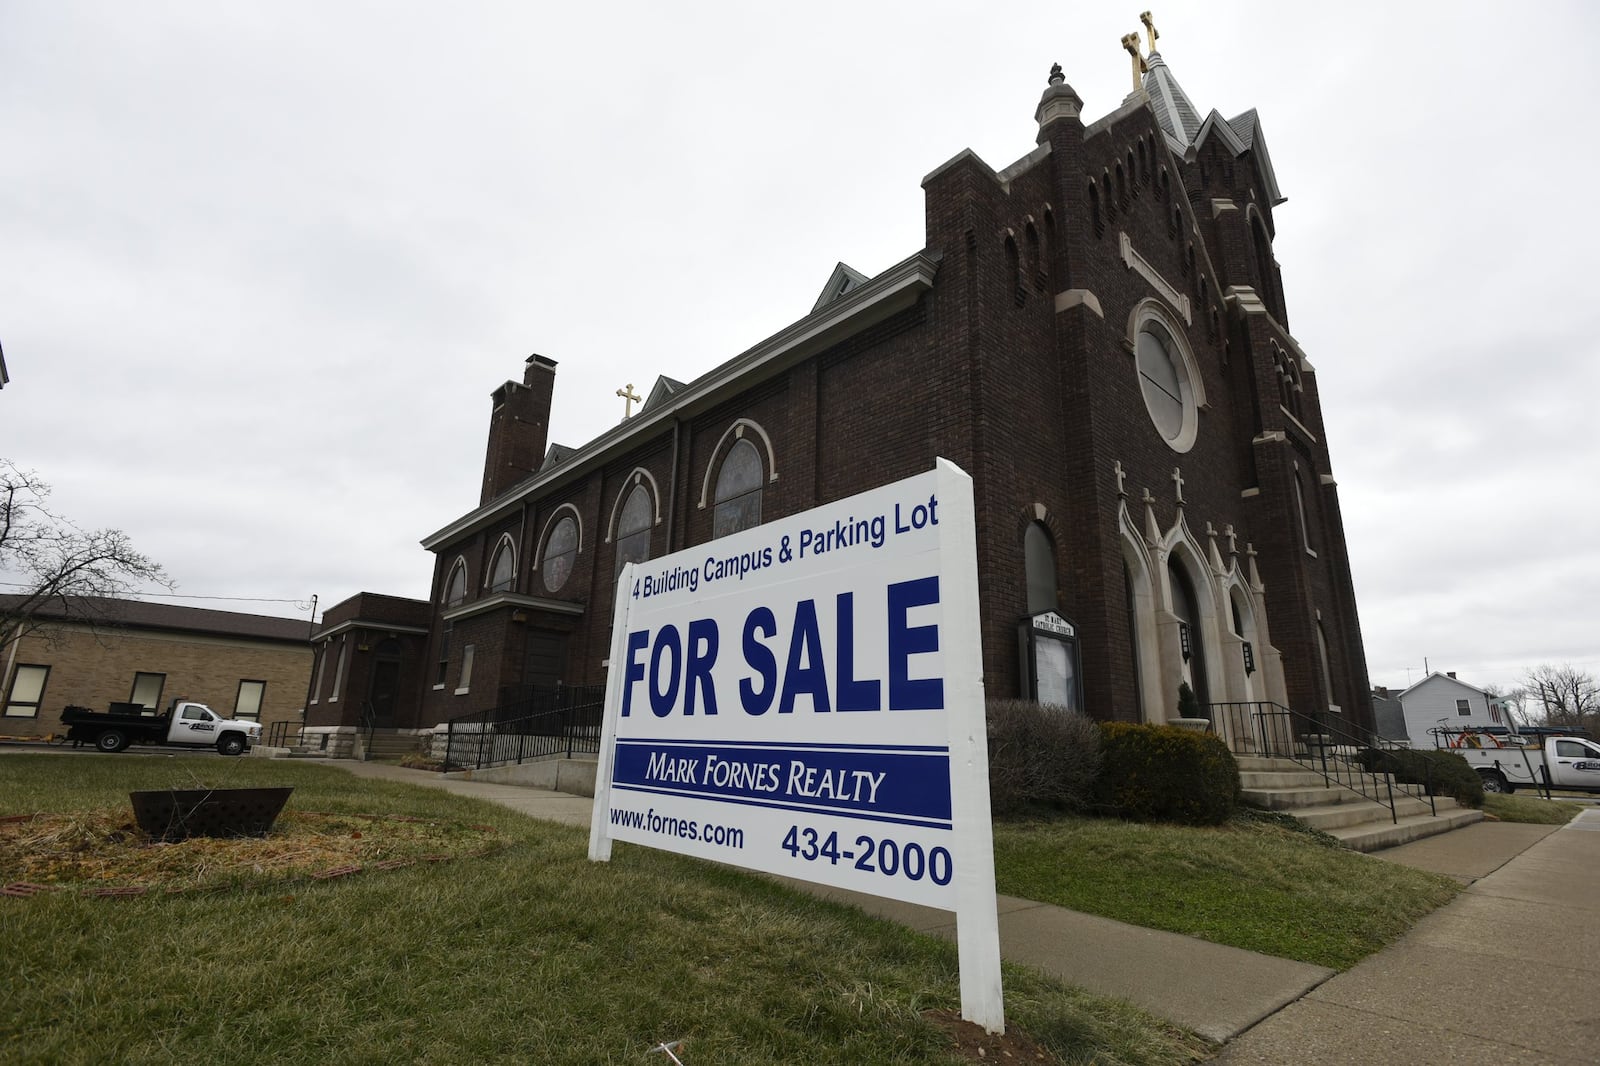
(241, 665)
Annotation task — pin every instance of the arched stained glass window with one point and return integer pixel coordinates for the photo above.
(738, 495)
(633, 529)
(560, 552)
(504, 568)
(456, 587)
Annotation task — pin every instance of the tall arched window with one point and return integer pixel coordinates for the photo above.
(455, 589)
(504, 567)
(1300, 507)
(633, 529)
(738, 494)
(560, 552)
(1327, 671)
(1039, 559)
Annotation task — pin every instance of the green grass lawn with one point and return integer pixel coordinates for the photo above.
(530, 955)
(1249, 884)
(1530, 809)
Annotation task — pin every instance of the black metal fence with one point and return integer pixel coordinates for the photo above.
(1346, 755)
(530, 722)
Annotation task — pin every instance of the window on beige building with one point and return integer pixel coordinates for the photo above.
(248, 702)
(147, 690)
(27, 691)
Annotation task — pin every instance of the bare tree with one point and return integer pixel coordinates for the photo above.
(51, 569)
(1569, 697)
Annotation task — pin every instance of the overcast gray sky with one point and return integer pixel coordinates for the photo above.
(262, 264)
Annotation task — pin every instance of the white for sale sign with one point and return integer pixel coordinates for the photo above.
(805, 698)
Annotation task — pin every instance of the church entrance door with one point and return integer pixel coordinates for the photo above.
(544, 659)
(1194, 658)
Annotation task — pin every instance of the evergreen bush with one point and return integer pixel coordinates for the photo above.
(1153, 773)
(1041, 756)
(1443, 773)
(1188, 702)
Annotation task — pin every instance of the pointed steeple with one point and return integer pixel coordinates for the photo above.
(1173, 108)
(1187, 129)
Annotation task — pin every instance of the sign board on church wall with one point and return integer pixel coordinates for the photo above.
(805, 698)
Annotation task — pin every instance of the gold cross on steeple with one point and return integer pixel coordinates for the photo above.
(1130, 41)
(1149, 28)
(629, 398)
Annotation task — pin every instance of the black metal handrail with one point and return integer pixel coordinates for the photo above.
(367, 727)
(1335, 749)
(278, 735)
(530, 722)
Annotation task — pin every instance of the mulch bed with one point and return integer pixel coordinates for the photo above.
(102, 853)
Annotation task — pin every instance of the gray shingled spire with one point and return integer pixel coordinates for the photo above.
(1172, 105)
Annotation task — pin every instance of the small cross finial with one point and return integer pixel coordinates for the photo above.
(1149, 28)
(1177, 479)
(1122, 479)
(1130, 41)
(1056, 77)
(629, 398)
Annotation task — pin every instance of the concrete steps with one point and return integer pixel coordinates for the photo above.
(391, 743)
(1359, 823)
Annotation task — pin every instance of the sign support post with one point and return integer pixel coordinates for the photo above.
(977, 912)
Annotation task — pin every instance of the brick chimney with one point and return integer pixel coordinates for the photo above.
(519, 428)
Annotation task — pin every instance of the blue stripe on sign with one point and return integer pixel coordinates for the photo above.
(890, 784)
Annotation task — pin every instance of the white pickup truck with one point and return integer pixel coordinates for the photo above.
(1555, 762)
(185, 724)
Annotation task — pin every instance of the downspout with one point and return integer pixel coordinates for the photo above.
(11, 658)
(672, 495)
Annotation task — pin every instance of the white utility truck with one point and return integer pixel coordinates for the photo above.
(185, 724)
(1508, 762)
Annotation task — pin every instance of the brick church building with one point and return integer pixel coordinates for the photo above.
(1098, 333)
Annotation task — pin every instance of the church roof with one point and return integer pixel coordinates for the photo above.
(665, 389)
(1186, 129)
(841, 281)
(1173, 108)
(859, 307)
(556, 455)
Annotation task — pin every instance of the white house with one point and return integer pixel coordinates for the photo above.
(1442, 701)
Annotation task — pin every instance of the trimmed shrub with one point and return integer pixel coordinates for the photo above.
(1040, 757)
(1160, 773)
(1443, 772)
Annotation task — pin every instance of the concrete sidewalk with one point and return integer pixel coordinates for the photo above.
(1530, 910)
(1504, 974)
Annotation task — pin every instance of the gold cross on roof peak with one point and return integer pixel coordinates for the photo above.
(1150, 29)
(1130, 41)
(629, 398)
